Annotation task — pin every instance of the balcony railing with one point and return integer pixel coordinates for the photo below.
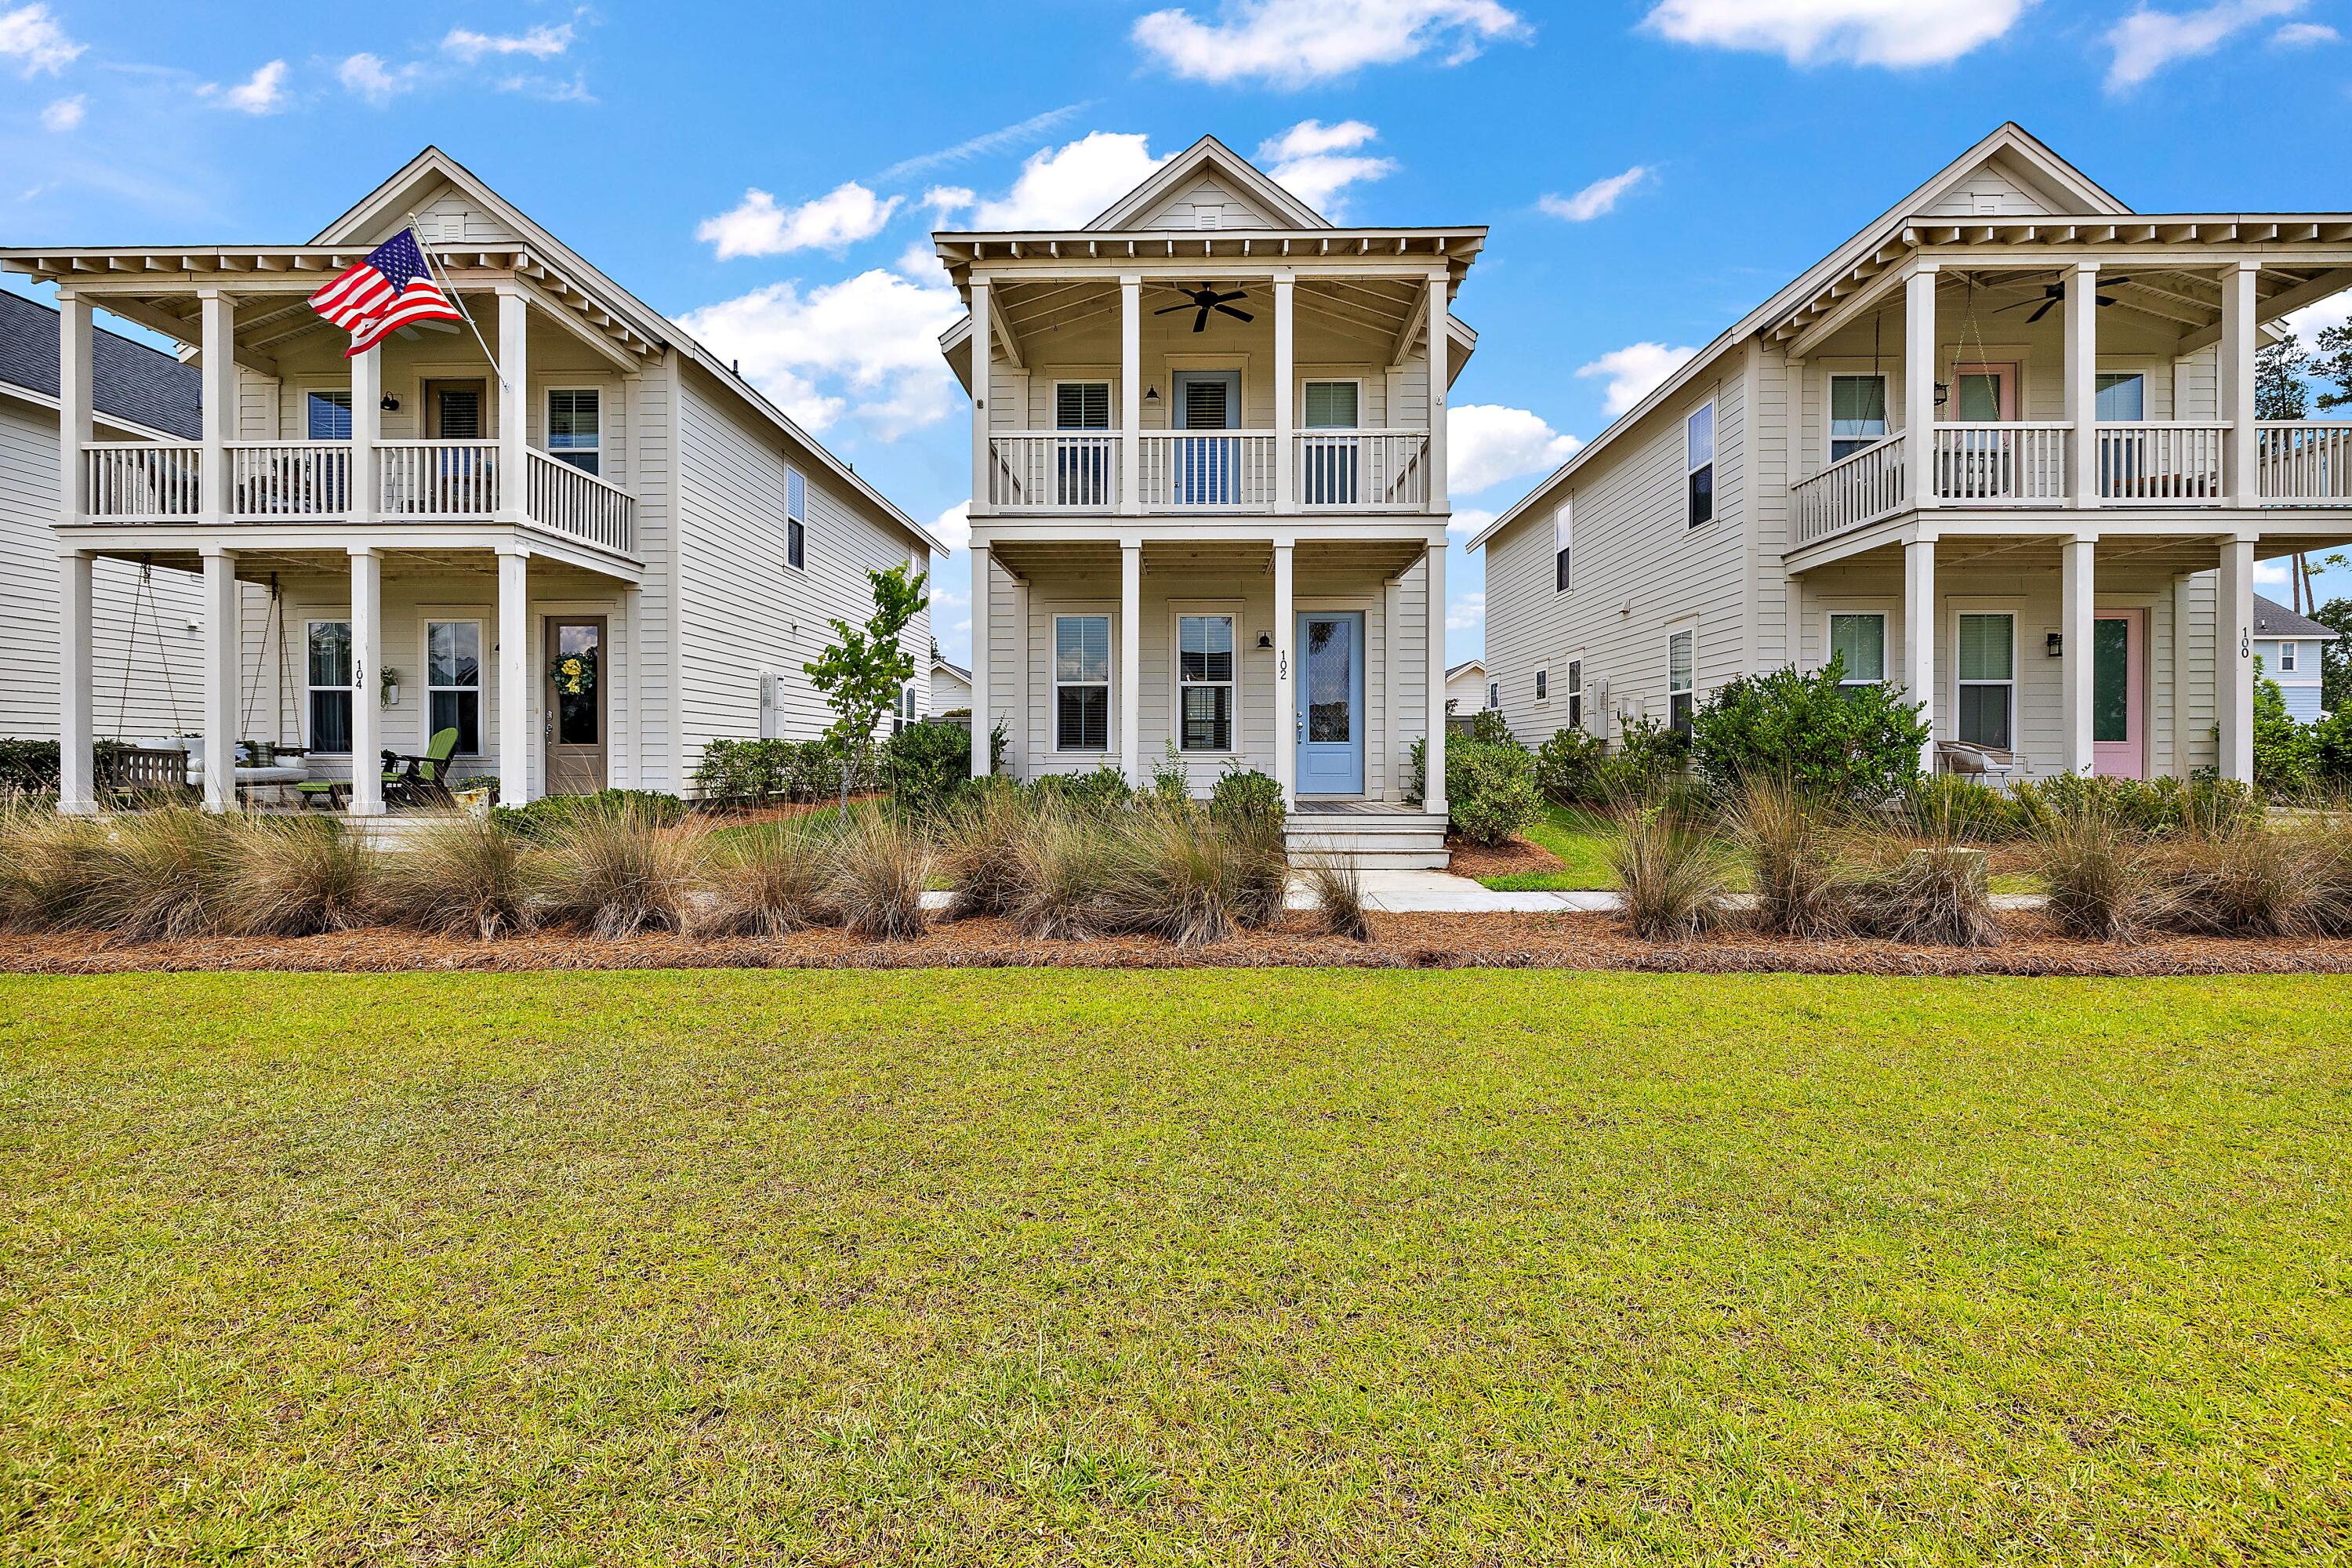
(1232, 470)
(2001, 465)
(2305, 463)
(1859, 487)
(2162, 465)
(1053, 471)
(289, 481)
(1186, 471)
(1362, 470)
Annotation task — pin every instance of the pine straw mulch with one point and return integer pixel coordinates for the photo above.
(1512, 857)
(1575, 940)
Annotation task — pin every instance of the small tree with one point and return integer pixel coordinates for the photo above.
(861, 672)
(2280, 370)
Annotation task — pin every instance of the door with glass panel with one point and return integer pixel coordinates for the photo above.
(457, 476)
(1081, 461)
(1208, 466)
(2118, 694)
(1330, 722)
(576, 708)
(2121, 399)
(1978, 463)
(1329, 472)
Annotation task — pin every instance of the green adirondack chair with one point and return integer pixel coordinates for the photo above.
(422, 779)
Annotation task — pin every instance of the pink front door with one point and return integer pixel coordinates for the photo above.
(2119, 694)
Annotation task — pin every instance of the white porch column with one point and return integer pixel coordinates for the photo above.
(77, 781)
(1919, 386)
(514, 403)
(367, 709)
(1433, 654)
(515, 728)
(2234, 659)
(2081, 369)
(2184, 665)
(982, 357)
(216, 385)
(75, 332)
(2241, 478)
(1285, 375)
(224, 636)
(1131, 658)
(2075, 615)
(1919, 639)
(1286, 689)
(1131, 393)
(367, 429)
(980, 619)
(1440, 346)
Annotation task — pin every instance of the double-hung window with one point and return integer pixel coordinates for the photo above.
(1679, 703)
(1560, 530)
(453, 682)
(1331, 465)
(796, 520)
(574, 428)
(1494, 694)
(1857, 413)
(1543, 685)
(1082, 683)
(2286, 657)
(1204, 682)
(1988, 678)
(327, 666)
(1082, 462)
(1861, 641)
(1576, 694)
(1698, 462)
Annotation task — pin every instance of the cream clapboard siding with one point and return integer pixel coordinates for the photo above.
(148, 643)
(744, 611)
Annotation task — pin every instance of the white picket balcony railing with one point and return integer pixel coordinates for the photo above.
(142, 481)
(1362, 470)
(1859, 487)
(2004, 464)
(1205, 470)
(570, 501)
(1053, 471)
(2166, 464)
(2305, 463)
(271, 480)
(452, 480)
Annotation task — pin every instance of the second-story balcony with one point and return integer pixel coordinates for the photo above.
(1209, 471)
(133, 482)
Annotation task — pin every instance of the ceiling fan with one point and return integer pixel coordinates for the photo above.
(1206, 299)
(2051, 293)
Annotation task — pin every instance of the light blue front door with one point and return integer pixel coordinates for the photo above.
(1331, 702)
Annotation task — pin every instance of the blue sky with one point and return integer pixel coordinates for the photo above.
(1650, 169)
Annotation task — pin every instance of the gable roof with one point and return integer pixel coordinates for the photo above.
(1210, 157)
(2012, 147)
(1478, 663)
(959, 671)
(131, 383)
(2273, 619)
(374, 215)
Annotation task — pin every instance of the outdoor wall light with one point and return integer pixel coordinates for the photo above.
(389, 404)
(2056, 643)
(1151, 394)
(1266, 639)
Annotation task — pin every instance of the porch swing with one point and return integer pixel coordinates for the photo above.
(161, 768)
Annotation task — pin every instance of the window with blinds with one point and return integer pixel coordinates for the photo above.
(795, 518)
(458, 414)
(1205, 680)
(1082, 405)
(1082, 471)
(329, 415)
(1857, 413)
(1680, 705)
(574, 428)
(1331, 405)
(1860, 641)
(1987, 680)
(1082, 683)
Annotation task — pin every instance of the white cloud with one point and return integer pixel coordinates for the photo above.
(1633, 372)
(1470, 520)
(368, 77)
(954, 525)
(1064, 187)
(1291, 43)
(1486, 442)
(31, 36)
(974, 147)
(758, 226)
(2146, 41)
(867, 345)
(550, 89)
(1596, 200)
(541, 43)
(263, 92)
(65, 113)
(2271, 574)
(2305, 35)
(943, 202)
(1467, 613)
(2317, 317)
(1317, 162)
(1854, 32)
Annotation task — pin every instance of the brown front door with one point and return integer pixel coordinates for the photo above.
(576, 709)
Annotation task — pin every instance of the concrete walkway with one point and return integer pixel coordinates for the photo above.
(1443, 893)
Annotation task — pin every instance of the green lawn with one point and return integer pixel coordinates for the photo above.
(1296, 1267)
(1580, 839)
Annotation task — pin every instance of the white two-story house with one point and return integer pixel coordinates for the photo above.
(1999, 448)
(579, 539)
(1209, 501)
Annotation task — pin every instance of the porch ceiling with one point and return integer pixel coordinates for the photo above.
(1315, 561)
(2041, 552)
(1384, 310)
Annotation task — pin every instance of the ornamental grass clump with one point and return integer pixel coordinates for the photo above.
(2236, 876)
(1173, 875)
(879, 865)
(1669, 872)
(2102, 874)
(613, 870)
(1934, 892)
(458, 876)
(2325, 869)
(1337, 887)
(1792, 844)
(981, 848)
(301, 876)
(162, 876)
(47, 863)
(771, 882)
(1065, 859)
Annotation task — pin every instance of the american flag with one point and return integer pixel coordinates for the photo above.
(391, 288)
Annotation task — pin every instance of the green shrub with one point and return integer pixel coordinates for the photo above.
(1490, 787)
(1961, 808)
(2286, 759)
(2145, 806)
(1858, 744)
(927, 765)
(1245, 795)
(31, 767)
(541, 820)
(1488, 727)
(1172, 781)
(2331, 748)
(1569, 768)
(1102, 792)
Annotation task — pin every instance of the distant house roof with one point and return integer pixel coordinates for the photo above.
(959, 671)
(129, 381)
(2273, 619)
(1478, 663)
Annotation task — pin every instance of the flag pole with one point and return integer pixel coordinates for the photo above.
(433, 264)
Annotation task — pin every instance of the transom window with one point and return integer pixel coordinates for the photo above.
(1860, 639)
(1561, 532)
(574, 428)
(327, 666)
(1857, 413)
(795, 518)
(1698, 462)
(1204, 682)
(1679, 693)
(1082, 683)
(453, 682)
(1987, 673)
